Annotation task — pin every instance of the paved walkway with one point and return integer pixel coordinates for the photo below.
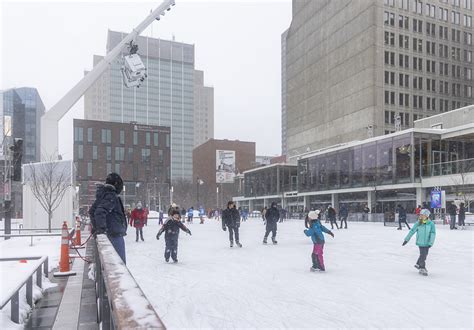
(71, 304)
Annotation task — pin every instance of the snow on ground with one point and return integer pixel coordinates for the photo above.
(11, 271)
(370, 279)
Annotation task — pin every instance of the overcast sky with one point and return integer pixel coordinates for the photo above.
(48, 45)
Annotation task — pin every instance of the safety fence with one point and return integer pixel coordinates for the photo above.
(121, 302)
(13, 293)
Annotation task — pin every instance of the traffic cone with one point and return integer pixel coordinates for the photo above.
(64, 265)
(77, 240)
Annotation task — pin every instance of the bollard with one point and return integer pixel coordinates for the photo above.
(64, 265)
(77, 241)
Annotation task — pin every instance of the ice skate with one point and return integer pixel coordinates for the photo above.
(314, 269)
(423, 272)
(265, 240)
(417, 266)
(231, 244)
(175, 261)
(274, 241)
(238, 244)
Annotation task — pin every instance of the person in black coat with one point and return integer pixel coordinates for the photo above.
(108, 215)
(462, 216)
(332, 217)
(402, 217)
(272, 216)
(231, 220)
(452, 210)
(171, 229)
(343, 214)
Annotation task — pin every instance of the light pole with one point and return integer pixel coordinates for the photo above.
(217, 198)
(171, 195)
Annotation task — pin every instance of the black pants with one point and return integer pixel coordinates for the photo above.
(343, 219)
(139, 231)
(461, 221)
(233, 231)
(401, 221)
(171, 248)
(453, 221)
(271, 227)
(333, 221)
(423, 254)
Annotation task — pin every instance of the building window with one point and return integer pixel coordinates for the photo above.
(109, 168)
(147, 138)
(89, 169)
(119, 154)
(146, 155)
(155, 139)
(122, 137)
(467, 4)
(443, 14)
(160, 156)
(130, 154)
(89, 134)
(94, 152)
(467, 38)
(135, 138)
(455, 17)
(78, 134)
(167, 140)
(80, 151)
(468, 56)
(467, 91)
(467, 21)
(390, 38)
(106, 135)
(403, 41)
(117, 168)
(108, 151)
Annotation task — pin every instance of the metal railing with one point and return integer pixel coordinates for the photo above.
(116, 290)
(452, 167)
(30, 235)
(13, 293)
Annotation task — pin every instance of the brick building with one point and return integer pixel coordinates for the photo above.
(205, 169)
(139, 153)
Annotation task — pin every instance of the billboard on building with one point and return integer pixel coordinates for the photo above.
(225, 166)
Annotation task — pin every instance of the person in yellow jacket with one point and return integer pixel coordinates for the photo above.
(425, 236)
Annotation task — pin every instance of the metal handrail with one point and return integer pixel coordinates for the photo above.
(31, 235)
(116, 289)
(13, 294)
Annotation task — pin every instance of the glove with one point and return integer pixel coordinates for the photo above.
(224, 228)
(332, 234)
(157, 236)
(404, 243)
(189, 232)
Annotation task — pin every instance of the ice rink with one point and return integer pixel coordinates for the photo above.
(370, 279)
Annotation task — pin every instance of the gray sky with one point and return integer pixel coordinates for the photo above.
(48, 45)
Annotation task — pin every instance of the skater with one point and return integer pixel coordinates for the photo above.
(108, 215)
(452, 210)
(425, 236)
(160, 218)
(316, 232)
(418, 210)
(183, 214)
(462, 216)
(231, 219)
(332, 217)
(365, 214)
(343, 214)
(264, 215)
(272, 215)
(190, 214)
(138, 219)
(402, 217)
(171, 229)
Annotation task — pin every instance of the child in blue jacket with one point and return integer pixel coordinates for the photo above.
(316, 230)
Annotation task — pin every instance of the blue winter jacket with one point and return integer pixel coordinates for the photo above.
(425, 233)
(107, 213)
(316, 232)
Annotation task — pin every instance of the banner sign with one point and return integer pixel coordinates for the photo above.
(225, 166)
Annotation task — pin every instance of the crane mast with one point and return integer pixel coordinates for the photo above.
(50, 120)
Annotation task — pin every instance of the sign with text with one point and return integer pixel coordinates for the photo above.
(225, 166)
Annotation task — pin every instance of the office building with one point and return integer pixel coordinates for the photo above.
(358, 69)
(203, 110)
(139, 153)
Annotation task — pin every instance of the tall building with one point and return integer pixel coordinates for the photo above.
(284, 138)
(166, 98)
(203, 110)
(21, 114)
(357, 69)
(139, 153)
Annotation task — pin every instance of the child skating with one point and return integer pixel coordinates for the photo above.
(316, 231)
(425, 237)
(171, 229)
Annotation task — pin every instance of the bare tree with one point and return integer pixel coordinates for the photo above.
(49, 182)
(462, 181)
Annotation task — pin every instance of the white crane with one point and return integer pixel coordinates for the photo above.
(133, 76)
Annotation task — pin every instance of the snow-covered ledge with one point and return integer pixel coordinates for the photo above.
(123, 304)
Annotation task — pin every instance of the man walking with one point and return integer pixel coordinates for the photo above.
(231, 220)
(272, 216)
(108, 215)
(452, 214)
(343, 214)
(332, 217)
(138, 219)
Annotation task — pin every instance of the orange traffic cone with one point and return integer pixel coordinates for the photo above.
(64, 265)
(77, 240)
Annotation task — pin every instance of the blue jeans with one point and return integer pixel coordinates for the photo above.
(119, 245)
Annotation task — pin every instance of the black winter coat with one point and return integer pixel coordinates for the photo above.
(171, 228)
(230, 218)
(331, 213)
(272, 215)
(107, 213)
(343, 212)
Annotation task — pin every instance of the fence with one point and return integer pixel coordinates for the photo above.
(13, 294)
(117, 290)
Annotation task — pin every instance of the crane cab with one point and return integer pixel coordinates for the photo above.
(133, 71)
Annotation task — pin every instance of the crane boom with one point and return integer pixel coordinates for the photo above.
(50, 120)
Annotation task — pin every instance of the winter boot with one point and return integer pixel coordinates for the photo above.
(423, 272)
(238, 244)
(231, 244)
(264, 240)
(175, 261)
(399, 228)
(274, 241)
(417, 266)
(314, 269)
